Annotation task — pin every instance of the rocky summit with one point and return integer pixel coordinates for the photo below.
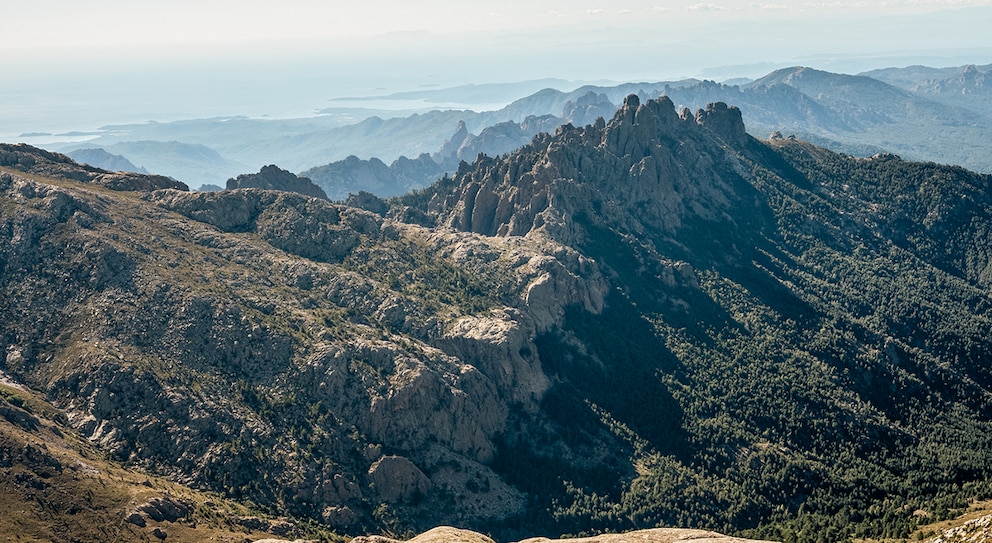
(275, 178)
(650, 321)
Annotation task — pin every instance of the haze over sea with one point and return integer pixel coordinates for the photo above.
(69, 67)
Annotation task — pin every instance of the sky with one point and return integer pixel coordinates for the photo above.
(69, 65)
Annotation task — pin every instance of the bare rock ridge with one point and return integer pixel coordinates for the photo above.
(274, 178)
(40, 162)
(305, 226)
(649, 167)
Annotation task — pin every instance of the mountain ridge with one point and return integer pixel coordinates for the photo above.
(656, 320)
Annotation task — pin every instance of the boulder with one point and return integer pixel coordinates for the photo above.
(165, 508)
(397, 479)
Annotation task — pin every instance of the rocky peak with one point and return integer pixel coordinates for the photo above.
(587, 108)
(275, 178)
(455, 142)
(637, 127)
(725, 121)
(649, 165)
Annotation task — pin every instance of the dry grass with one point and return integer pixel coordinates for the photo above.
(55, 486)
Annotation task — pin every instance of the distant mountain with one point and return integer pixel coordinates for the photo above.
(969, 86)
(100, 158)
(854, 114)
(493, 140)
(353, 175)
(194, 164)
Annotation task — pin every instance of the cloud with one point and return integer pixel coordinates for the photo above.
(706, 6)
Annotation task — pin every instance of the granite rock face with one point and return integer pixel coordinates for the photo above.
(397, 479)
(649, 167)
(274, 178)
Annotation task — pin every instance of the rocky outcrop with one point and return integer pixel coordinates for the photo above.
(725, 121)
(397, 479)
(441, 534)
(973, 531)
(504, 347)
(306, 227)
(410, 399)
(368, 202)
(137, 182)
(165, 508)
(275, 178)
(446, 534)
(587, 108)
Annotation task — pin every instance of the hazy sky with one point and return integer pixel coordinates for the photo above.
(60, 26)
(65, 62)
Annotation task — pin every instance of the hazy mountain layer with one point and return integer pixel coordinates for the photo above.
(920, 113)
(100, 158)
(967, 86)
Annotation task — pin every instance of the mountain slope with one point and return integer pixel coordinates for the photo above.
(215, 336)
(655, 320)
(809, 329)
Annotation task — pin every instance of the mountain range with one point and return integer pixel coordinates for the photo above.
(919, 113)
(652, 320)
